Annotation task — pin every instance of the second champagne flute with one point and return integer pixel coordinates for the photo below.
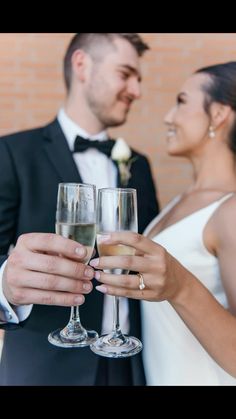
(116, 211)
(76, 220)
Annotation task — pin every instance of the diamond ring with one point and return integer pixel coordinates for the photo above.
(141, 282)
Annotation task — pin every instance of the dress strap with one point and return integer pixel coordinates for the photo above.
(225, 197)
(163, 212)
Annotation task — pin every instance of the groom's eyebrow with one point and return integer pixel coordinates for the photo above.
(182, 94)
(132, 70)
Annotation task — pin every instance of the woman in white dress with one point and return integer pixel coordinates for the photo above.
(187, 260)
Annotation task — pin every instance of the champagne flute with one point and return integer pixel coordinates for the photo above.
(116, 211)
(76, 220)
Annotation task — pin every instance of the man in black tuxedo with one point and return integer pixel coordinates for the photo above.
(102, 77)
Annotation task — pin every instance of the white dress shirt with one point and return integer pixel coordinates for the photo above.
(94, 168)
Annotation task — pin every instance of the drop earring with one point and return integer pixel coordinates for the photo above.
(211, 132)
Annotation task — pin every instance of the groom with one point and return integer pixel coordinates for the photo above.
(102, 77)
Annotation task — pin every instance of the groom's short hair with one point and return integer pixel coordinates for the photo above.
(92, 43)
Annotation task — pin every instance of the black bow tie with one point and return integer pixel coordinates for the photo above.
(82, 144)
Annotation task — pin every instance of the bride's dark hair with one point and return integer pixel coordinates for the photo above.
(221, 88)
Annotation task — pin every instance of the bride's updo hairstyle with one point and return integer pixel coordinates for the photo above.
(221, 88)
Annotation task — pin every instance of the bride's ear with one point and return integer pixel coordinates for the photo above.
(220, 114)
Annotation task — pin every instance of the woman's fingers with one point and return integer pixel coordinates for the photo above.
(120, 281)
(128, 263)
(124, 292)
(135, 240)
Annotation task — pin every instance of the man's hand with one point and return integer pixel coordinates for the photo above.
(46, 268)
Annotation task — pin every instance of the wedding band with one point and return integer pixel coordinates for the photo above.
(141, 282)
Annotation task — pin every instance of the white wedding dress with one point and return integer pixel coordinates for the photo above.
(171, 353)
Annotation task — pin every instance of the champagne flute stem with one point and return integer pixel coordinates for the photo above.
(116, 331)
(74, 314)
(74, 328)
(74, 322)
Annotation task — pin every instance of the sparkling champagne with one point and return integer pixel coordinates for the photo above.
(82, 233)
(114, 250)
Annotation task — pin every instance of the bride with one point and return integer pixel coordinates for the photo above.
(186, 264)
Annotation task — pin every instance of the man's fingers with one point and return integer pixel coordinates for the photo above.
(50, 282)
(52, 243)
(49, 264)
(31, 296)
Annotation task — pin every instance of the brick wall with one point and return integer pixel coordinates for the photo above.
(31, 89)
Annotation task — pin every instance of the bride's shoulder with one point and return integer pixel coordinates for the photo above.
(228, 206)
(222, 223)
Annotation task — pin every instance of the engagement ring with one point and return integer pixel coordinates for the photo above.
(141, 282)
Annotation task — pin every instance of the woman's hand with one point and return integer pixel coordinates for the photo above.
(162, 274)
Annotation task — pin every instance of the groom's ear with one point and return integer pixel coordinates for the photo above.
(80, 62)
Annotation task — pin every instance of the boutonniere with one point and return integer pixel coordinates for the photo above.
(121, 153)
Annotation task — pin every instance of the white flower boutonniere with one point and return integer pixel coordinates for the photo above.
(122, 153)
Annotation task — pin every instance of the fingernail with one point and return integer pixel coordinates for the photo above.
(87, 287)
(101, 288)
(97, 275)
(89, 273)
(79, 299)
(94, 262)
(80, 251)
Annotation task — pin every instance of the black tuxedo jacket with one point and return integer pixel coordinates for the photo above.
(32, 163)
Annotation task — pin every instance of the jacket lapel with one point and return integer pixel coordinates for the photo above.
(59, 154)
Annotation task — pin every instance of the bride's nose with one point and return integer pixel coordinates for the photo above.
(168, 119)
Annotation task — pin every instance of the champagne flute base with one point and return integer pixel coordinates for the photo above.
(111, 347)
(56, 339)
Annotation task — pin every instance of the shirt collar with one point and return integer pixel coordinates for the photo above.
(71, 130)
